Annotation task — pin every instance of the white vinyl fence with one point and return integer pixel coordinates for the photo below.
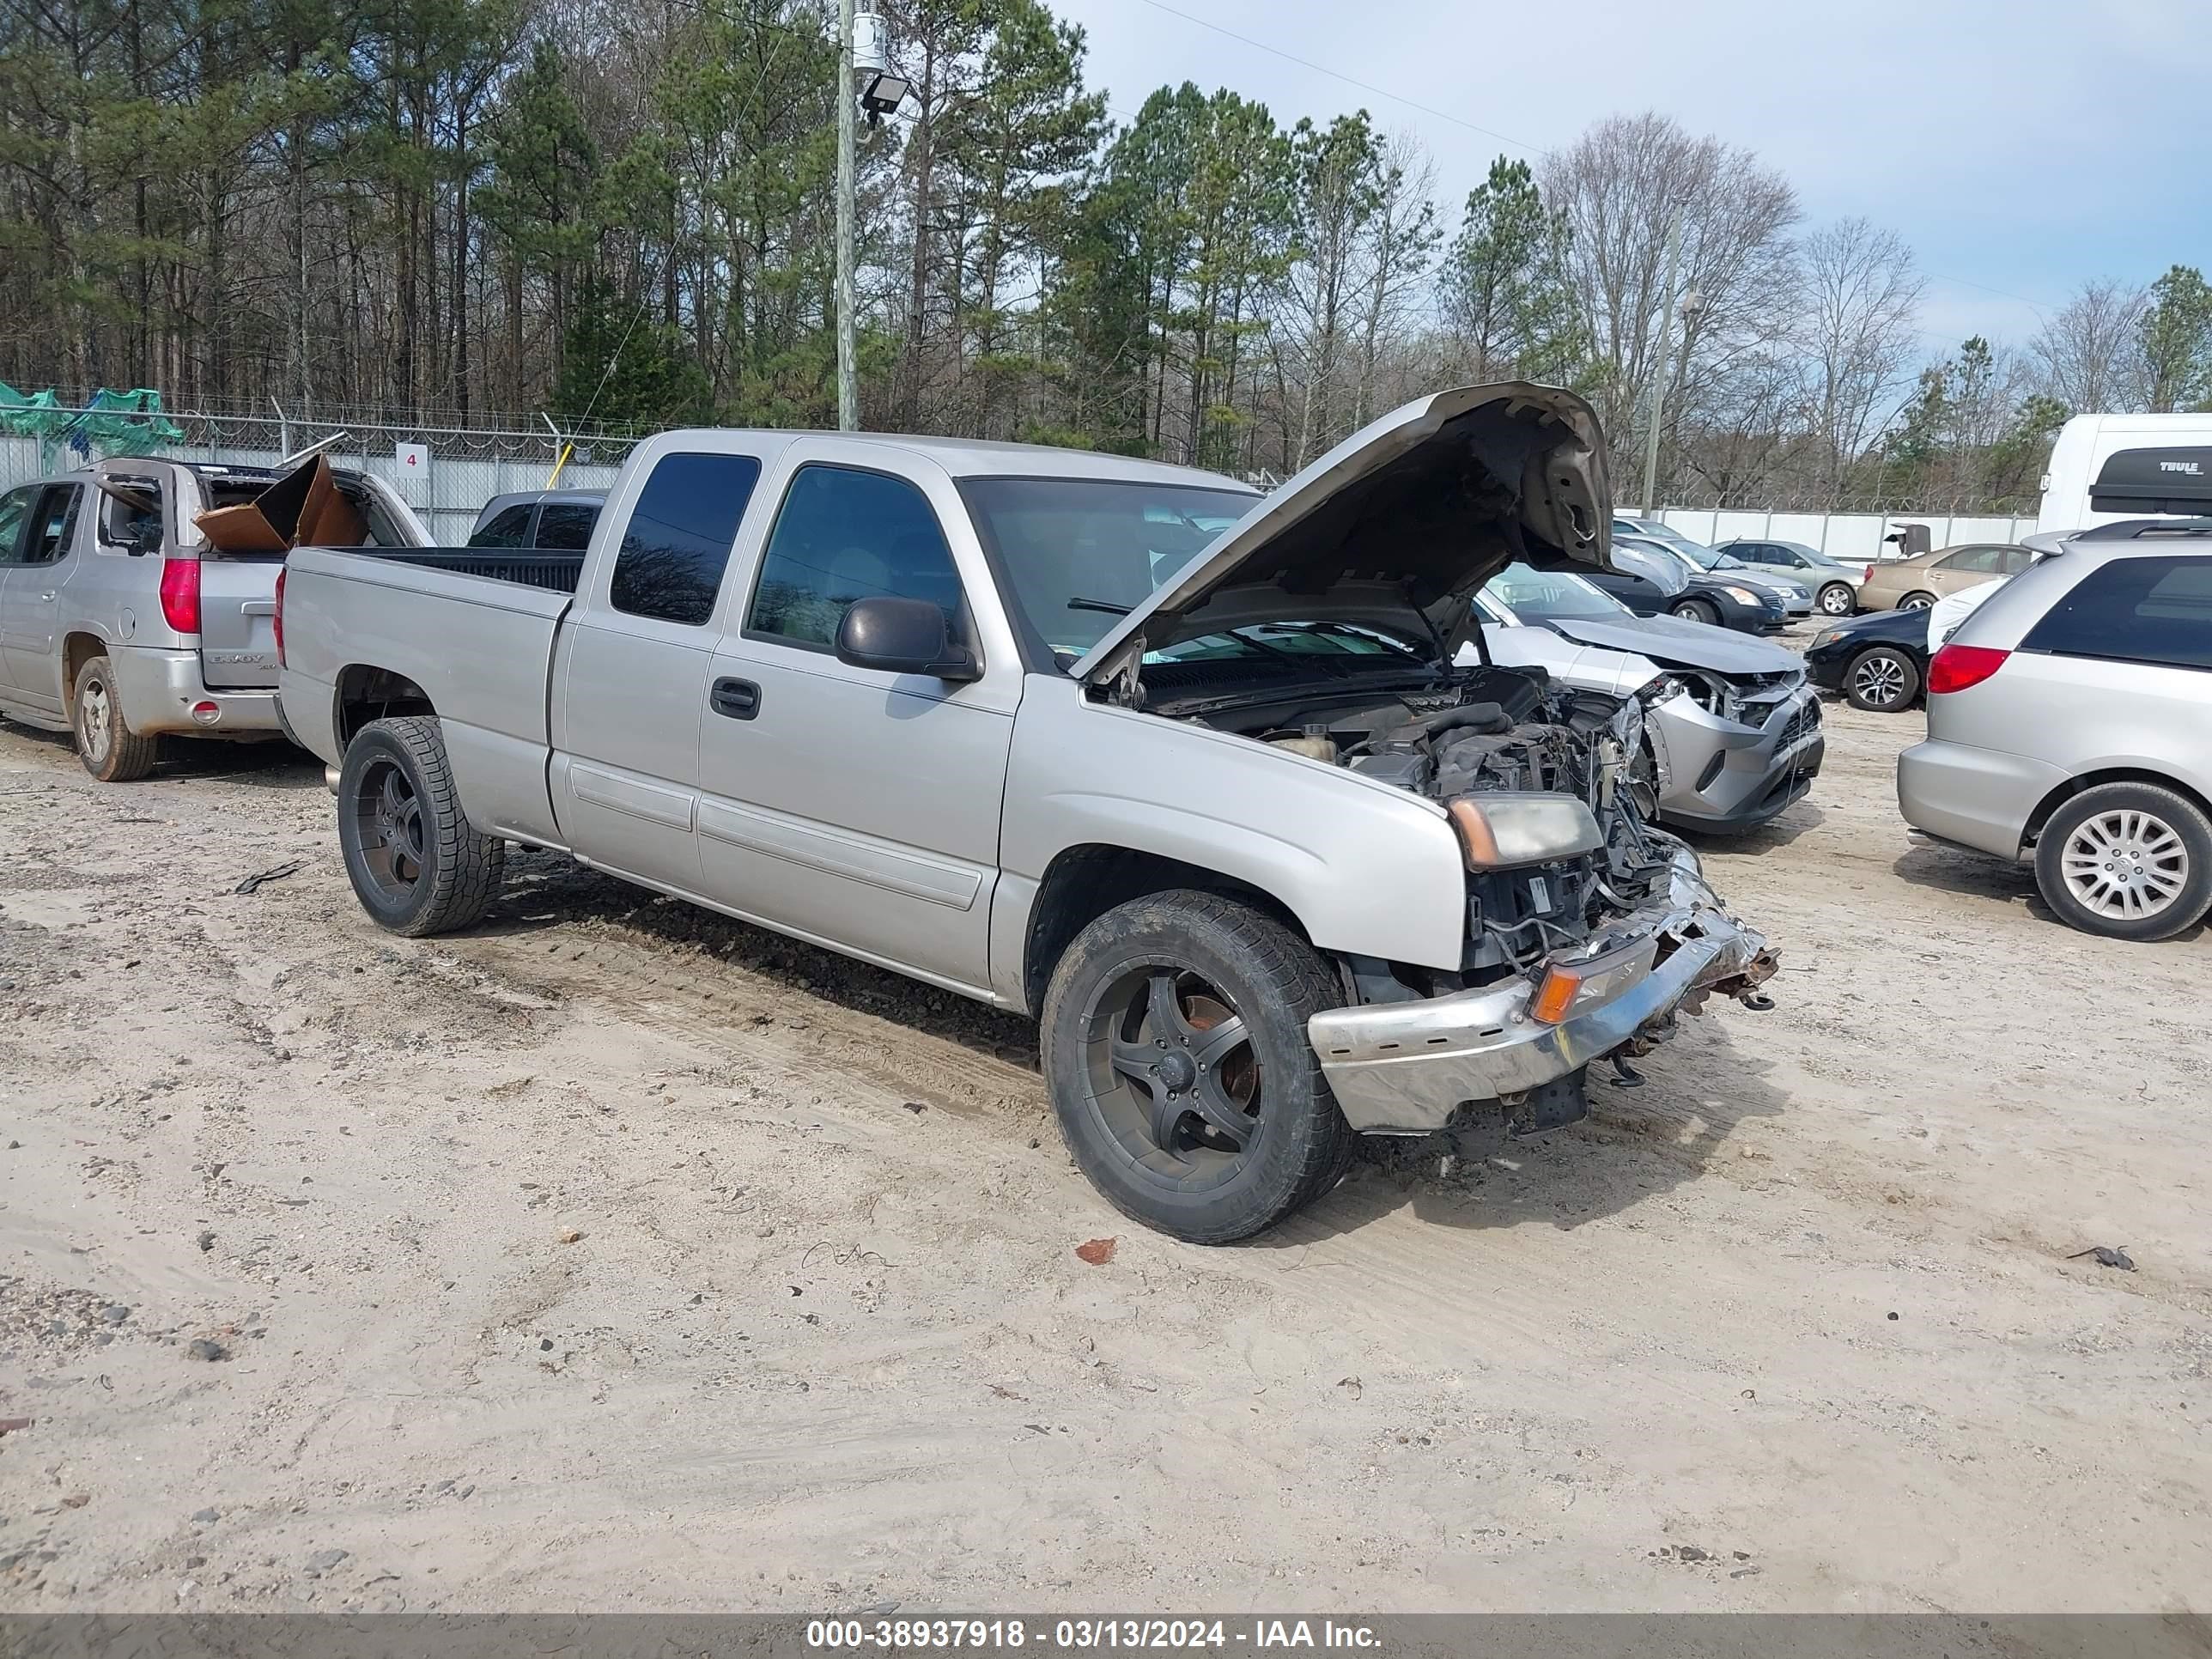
(1848, 537)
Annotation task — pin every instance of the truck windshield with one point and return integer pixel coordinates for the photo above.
(1078, 553)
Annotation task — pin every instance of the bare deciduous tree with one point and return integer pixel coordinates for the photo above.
(2090, 355)
(1620, 185)
(1855, 339)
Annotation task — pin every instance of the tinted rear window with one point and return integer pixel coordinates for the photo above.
(2150, 610)
(510, 528)
(566, 524)
(677, 543)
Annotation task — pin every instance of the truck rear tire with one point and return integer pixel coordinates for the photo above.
(1175, 1047)
(110, 749)
(416, 865)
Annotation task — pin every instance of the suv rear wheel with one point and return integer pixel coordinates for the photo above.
(1175, 1046)
(2126, 861)
(110, 749)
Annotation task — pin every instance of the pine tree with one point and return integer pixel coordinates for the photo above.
(2176, 333)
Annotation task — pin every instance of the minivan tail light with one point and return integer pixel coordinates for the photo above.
(276, 622)
(181, 594)
(1961, 667)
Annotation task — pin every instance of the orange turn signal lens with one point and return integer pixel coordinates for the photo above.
(1475, 838)
(1555, 995)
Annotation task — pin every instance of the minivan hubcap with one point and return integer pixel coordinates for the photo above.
(1880, 680)
(2125, 865)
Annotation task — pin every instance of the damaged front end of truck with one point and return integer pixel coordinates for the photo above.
(1587, 929)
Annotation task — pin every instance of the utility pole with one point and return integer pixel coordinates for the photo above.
(1659, 374)
(848, 392)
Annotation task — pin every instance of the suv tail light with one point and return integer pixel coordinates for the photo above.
(181, 594)
(276, 622)
(1961, 667)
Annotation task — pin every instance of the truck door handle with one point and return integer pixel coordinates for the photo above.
(739, 699)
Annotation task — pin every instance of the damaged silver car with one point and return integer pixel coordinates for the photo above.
(1733, 734)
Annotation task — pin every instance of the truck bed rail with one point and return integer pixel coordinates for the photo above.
(554, 571)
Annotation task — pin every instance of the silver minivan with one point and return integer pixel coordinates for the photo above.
(2069, 725)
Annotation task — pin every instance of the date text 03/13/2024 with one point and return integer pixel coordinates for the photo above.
(1085, 1635)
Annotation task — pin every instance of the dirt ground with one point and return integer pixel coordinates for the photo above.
(616, 1256)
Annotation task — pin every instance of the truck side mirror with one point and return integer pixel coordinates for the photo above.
(903, 636)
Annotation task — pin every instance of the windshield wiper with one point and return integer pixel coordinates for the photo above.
(1106, 605)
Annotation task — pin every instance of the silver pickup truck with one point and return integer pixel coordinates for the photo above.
(119, 624)
(1186, 772)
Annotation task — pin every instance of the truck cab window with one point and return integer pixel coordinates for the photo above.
(131, 522)
(677, 544)
(53, 525)
(15, 509)
(845, 535)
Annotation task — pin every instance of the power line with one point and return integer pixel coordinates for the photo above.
(2003, 294)
(1322, 69)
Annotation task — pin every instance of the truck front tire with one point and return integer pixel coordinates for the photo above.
(110, 749)
(1175, 1047)
(416, 865)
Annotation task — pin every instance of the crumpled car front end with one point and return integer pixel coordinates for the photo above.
(1732, 752)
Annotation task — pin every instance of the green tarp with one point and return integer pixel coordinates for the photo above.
(115, 422)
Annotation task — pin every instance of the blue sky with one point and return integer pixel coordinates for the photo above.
(2019, 147)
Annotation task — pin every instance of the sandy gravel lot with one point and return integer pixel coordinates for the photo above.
(616, 1256)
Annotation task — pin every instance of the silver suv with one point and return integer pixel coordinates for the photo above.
(2069, 723)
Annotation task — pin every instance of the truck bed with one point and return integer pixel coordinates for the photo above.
(473, 627)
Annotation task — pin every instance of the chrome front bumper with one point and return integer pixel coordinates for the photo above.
(1404, 1068)
(159, 688)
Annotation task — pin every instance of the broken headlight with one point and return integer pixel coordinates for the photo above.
(1499, 831)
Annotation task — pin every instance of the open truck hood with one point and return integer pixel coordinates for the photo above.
(1431, 500)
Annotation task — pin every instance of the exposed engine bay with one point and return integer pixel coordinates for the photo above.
(1487, 730)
